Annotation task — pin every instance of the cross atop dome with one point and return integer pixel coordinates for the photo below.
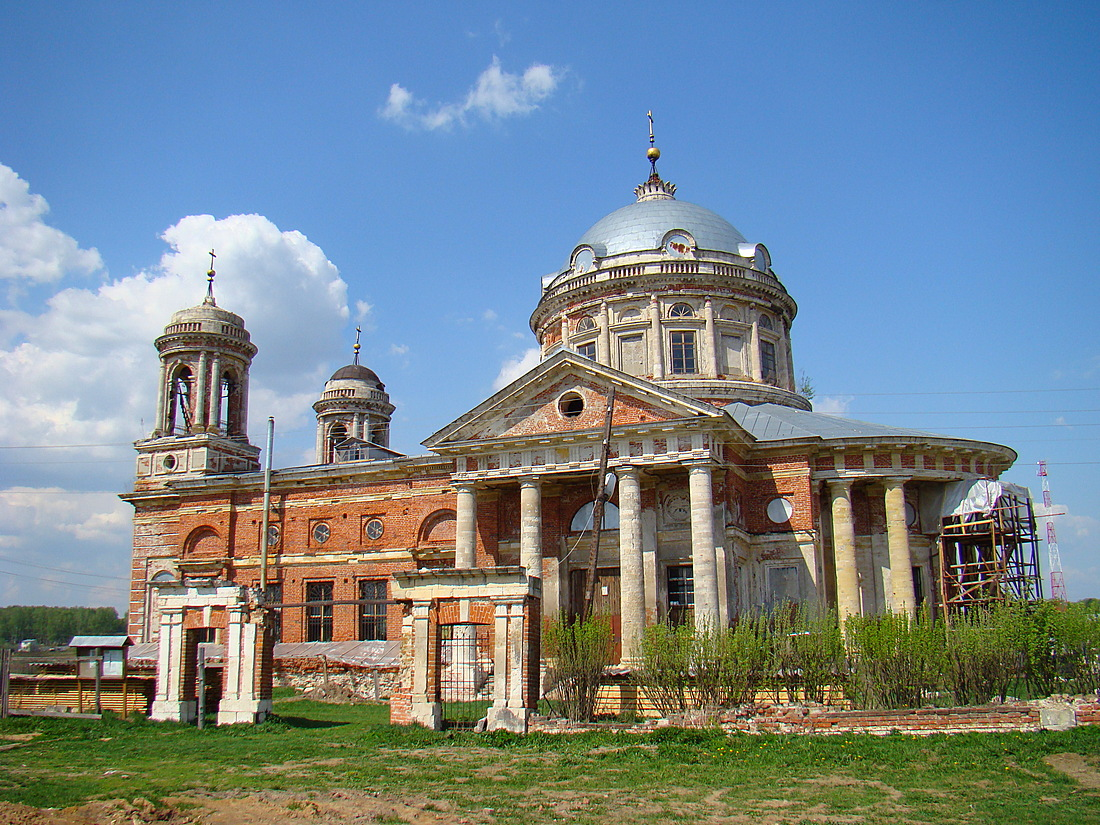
(654, 189)
(209, 299)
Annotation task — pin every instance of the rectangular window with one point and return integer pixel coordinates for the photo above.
(783, 586)
(731, 355)
(632, 358)
(372, 611)
(274, 595)
(681, 594)
(318, 613)
(767, 361)
(587, 350)
(682, 361)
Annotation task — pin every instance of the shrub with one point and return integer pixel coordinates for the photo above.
(980, 659)
(578, 653)
(893, 661)
(728, 665)
(805, 652)
(665, 667)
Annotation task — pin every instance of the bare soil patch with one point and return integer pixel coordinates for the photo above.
(1077, 767)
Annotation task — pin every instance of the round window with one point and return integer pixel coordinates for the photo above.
(910, 515)
(374, 528)
(321, 532)
(780, 510)
(168, 462)
(272, 535)
(571, 405)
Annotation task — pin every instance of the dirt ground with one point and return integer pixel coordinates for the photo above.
(265, 808)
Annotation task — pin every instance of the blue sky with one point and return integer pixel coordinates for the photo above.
(925, 176)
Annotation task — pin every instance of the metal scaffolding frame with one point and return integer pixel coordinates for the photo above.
(990, 557)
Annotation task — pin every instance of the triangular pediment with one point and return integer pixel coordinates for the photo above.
(568, 394)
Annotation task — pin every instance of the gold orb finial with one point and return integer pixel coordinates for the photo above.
(653, 153)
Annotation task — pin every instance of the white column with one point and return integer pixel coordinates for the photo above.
(631, 569)
(603, 345)
(789, 359)
(465, 527)
(198, 417)
(243, 391)
(530, 526)
(656, 343)
(215, 404)
(162, 401)
(754, 354)
(321, 441)
(844, 549)
(897, 539)
(703, 562)
(710, 349)
(565, 333)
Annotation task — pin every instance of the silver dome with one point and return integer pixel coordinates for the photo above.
(642, 226)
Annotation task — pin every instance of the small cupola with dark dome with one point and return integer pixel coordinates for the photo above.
(353, 415)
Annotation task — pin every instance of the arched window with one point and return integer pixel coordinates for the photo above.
(730, 313)
(681, 311)
(582, 519)
(227, 405)
(585, 324)
(179, 411)
(438, 528)
(337, 435)
(203, 541)
(630, 314)
(765, 322)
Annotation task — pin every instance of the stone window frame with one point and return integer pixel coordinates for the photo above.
(681, 611)
(783, 564)
(682, 309)
(586, 324)
(587, 350)
(685, 354)
(319, 616)
(369, 523)
(371, 624)
(317, 528)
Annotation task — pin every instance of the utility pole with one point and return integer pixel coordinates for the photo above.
(597, 512)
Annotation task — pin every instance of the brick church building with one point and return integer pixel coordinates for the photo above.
(731, 493)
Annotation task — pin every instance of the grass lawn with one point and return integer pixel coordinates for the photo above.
(315, 751)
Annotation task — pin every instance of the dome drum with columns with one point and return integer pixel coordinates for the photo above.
(672, 292)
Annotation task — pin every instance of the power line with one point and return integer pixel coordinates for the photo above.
(10, 560)
(958, 392)
(103, 587)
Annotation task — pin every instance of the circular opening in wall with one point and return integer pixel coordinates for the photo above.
(910, 515)
(321, 533)
(374, 528)
(780, 510)
(571, 405)
(168, 462)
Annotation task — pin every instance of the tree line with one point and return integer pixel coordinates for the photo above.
(57, 625)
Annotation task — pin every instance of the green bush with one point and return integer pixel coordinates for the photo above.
(577, 654)
(805, 652)
(728, 666)
(893, 661)
(665, 667)
(980, 659)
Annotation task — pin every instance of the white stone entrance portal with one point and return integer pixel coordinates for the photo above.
(507, 602)
(187, 614)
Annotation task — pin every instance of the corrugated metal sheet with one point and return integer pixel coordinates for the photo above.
(370, 655)
(773, 422)
(100, 641)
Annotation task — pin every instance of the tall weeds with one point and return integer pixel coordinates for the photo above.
(577, 654)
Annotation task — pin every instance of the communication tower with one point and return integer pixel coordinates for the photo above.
(1057, 582)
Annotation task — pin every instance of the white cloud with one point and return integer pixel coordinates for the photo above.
(834, 404)
(496, 94)
(31, 251)
(489, 315)
(81, 369)
(513, 368)
(399, 349)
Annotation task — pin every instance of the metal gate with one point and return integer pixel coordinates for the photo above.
(465, 673)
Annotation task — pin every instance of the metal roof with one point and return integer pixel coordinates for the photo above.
(774, 422)
(643, 225)
(370, 655)
(100, 641)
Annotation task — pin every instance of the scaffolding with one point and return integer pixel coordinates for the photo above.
(989, 557)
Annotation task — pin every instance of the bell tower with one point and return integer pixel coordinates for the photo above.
(202, 399)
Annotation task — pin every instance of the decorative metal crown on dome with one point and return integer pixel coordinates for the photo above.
(654, 189)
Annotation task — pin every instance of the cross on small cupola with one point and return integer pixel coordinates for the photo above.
(210, 273)
(355, 349)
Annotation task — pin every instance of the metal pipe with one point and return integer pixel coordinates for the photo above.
(267, 506)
